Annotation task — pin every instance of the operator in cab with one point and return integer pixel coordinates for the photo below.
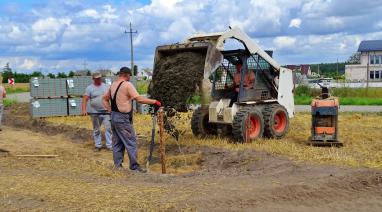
(118, 100)
(248, 83)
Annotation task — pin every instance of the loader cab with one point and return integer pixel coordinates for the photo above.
(244, 78)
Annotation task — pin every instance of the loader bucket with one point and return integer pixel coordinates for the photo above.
(182, 69)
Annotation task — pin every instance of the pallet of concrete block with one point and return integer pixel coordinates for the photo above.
(75, 106)
(109, 79)
(47, 88)
(48, 107)
(77, 85)
(142, 108)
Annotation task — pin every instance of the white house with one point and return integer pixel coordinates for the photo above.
(370, 67)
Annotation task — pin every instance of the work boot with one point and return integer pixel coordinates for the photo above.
(139, 170)
(118, 168)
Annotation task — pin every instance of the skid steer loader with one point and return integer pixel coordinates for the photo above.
(244, 92)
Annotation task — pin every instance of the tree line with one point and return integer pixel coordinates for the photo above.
(8, 73)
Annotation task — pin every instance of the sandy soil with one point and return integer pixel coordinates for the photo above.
(248, 180)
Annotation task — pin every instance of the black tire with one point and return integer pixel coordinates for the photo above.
(200, 125)
(276, 121)
(242, 126)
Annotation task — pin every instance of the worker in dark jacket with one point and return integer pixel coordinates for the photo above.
(118, 100)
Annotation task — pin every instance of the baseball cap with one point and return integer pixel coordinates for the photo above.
(96, 75)
(125, 70)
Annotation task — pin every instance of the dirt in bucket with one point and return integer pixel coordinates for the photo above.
(176, 77)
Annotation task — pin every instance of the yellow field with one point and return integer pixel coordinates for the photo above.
(360, 133)
(17, 88)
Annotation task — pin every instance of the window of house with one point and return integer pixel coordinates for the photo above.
(371, 74)
(371, 59)
(377, 76)
(377, 59)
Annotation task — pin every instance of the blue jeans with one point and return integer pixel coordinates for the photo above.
(97, 121)
(124, 138)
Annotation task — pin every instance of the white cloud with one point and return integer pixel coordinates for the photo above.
(50, 29)
(334, 21)
(284, 42)
(65, 32)
(29, 64)
(92, 13)
(15, 33)
(178, 29)
(296, 22)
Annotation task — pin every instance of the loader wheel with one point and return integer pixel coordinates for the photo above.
(200, 125)
(276, 121)
(248, 125)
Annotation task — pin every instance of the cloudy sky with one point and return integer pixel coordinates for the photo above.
(59, 35)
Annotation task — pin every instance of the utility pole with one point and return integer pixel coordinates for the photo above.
(368, 70)
(85, 65)
(131, 32)
(318, 70)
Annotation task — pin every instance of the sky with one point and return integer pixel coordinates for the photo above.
(60, 35)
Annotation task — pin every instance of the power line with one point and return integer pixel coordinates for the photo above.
(131, 32)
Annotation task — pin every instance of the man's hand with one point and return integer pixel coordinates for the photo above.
(157, 104)
(84, 113)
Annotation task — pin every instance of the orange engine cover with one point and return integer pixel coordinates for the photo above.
(325, 130)
(330, 102)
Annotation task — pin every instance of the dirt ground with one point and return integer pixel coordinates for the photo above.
(217, 178)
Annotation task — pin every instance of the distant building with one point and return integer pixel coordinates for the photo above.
(81, 73)
(145, 74)
(370, 66)
(302, 69)
(106, 72)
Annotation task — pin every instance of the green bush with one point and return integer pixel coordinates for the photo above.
(142, 87)
(9, 102)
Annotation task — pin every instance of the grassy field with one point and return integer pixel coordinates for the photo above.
(306, 100)
(347, 96)
(17, 88)
(9, 102)
(360, 133)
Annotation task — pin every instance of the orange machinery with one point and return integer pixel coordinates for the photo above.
(324, 131)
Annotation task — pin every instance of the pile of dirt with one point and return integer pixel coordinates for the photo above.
(176, 78)
(18, 116)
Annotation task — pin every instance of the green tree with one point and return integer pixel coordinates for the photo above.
(7, 73)
(71, 74)
(37, 74)
(50, 75)
(61, 75)
(355, 58)
(88, 73)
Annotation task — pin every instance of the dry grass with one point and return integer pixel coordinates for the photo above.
(176, 163)
(78, 178)
(360, 133)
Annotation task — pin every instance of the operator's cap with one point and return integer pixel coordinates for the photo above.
(125, 70)
(96, 75)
